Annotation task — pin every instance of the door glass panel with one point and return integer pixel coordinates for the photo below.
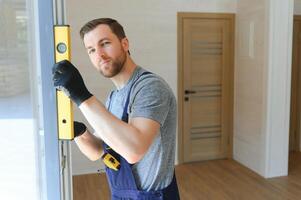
(19, 166)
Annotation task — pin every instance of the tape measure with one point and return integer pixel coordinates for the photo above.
(110, 161)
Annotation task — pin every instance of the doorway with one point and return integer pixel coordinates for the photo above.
(205, 86)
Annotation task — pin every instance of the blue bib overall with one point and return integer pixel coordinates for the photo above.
(122, 181)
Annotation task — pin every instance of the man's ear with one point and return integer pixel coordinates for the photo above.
(125, 44)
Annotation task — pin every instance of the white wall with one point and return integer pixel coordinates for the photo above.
(279, 86)
(297, 7)
(262, 85)
(151, 27)
(250, 83)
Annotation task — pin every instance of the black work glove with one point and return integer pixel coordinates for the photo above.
(79, 128)
(68, 79)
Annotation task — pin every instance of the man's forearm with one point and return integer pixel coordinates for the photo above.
(89, 145)
(122, 137)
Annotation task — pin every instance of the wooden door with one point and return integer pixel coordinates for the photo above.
(294, 136)
(206, 85)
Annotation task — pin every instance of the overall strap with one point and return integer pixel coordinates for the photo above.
(125, 116)
(110, 98)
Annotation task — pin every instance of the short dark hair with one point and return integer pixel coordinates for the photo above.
(116, 28)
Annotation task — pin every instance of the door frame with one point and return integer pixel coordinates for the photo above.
(56, 155)
(180, 17)
(295, 94)
(45, 59)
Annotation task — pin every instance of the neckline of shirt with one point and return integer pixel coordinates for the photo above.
(133, 76)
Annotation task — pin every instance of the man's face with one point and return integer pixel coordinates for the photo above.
(107, 53)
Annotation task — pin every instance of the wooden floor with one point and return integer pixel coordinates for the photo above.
(216, 180)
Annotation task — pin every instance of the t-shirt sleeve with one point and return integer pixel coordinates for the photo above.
(150, 98)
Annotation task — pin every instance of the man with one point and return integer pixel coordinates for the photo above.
(138, 124)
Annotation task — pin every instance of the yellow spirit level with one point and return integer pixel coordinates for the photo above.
(64, 104)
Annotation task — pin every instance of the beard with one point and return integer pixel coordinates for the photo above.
(115, 66)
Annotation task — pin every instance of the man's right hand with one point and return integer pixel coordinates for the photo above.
(79, 128)
(67, 78)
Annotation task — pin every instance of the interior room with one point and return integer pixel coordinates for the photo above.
(233, 67)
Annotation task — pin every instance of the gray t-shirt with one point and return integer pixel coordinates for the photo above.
(151, 98)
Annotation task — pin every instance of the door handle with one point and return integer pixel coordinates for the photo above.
(190, 92)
